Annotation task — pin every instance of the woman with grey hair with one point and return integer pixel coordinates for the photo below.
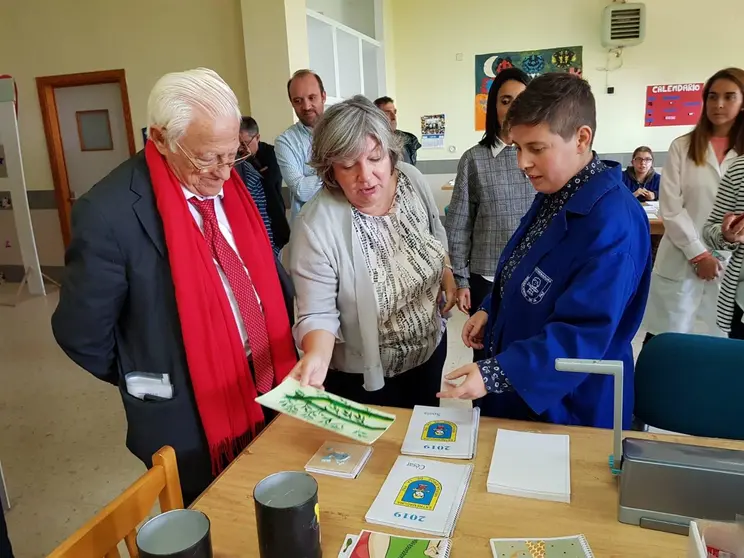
(370, 267)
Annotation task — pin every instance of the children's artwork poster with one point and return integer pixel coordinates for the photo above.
(533, 62)
(678, 104)
(432, 131)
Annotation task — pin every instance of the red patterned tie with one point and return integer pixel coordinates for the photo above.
(245, 294)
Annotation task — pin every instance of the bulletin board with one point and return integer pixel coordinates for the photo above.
(533, 62)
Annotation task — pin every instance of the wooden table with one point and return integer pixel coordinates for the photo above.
(287, 444)
(448, 187)
(657, 226)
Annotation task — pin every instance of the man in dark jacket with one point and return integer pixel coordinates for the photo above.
(411, 144)
(172, 292)
(263, 160)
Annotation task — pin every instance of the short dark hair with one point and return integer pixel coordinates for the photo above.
(563, 101)
(303, 73)
(249, 124)
(383, 101)
(493, 128)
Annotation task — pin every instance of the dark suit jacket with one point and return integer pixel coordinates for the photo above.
(117, 314)
(265, 163)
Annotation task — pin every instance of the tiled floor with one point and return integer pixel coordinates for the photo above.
(62, 431)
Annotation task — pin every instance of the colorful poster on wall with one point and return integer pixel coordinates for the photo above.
(432, 131)
(534, 62)
(678, 104)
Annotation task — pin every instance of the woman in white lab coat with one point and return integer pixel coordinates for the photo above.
(686, 276)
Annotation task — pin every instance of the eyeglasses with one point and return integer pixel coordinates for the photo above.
(205, 169)
(246, 145)
(644, 160)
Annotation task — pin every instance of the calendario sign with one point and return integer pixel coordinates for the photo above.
(678, 104)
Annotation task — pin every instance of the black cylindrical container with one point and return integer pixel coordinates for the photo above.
(176, 534)
(287, 516)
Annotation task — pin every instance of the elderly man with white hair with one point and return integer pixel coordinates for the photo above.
(172, 292)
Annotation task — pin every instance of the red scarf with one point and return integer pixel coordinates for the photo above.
(218, 367)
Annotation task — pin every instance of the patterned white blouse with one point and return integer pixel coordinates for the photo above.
(406, 263)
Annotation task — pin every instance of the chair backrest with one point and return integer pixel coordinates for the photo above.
(118, 521)
(692, 384)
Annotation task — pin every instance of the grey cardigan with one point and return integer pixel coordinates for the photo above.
(335, 292)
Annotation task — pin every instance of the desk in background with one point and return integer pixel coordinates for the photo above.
(287, 444)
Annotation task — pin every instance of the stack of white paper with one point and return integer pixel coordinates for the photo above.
(422, 495)
(531, 465)
(442, 432)
(651, 209)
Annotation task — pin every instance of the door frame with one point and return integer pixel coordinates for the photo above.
(46, 86)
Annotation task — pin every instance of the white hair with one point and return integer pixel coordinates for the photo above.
(177, 96)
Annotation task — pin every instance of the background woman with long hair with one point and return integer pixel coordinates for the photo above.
(491, 195)
(685, 281)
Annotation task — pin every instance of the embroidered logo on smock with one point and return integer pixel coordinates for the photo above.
(535, 286)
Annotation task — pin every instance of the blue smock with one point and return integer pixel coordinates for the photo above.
(652, 183)
(580, 292)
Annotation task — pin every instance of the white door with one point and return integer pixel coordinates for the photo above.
(94, 136)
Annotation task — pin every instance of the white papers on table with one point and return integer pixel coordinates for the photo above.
(652, 209)
(531, 465)
(442, 432)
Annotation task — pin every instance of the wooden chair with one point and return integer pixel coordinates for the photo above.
(119, 520)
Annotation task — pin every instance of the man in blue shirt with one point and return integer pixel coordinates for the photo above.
(308, 97)
(572, 281)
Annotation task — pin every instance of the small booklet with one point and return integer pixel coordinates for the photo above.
(531, 465)
(442, 432)
(339, 460)
(371, 544)
(559, 547)
(325, 410)
(422, 495)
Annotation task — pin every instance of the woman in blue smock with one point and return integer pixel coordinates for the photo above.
(573, 280)
(640, 177)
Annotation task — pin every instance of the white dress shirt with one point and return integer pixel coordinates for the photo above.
(227, 233)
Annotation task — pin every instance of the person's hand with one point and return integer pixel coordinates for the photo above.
(472, 387)
(463, 300)
(732, 227)
(648, 195)
(449, 289)
(708, 268)
(474, 329)
(310, 370)
(639, 192)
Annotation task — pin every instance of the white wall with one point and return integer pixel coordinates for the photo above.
(685, 42)
(357, 14)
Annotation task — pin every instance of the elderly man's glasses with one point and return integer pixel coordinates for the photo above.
(205, 169)
(643, 160)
